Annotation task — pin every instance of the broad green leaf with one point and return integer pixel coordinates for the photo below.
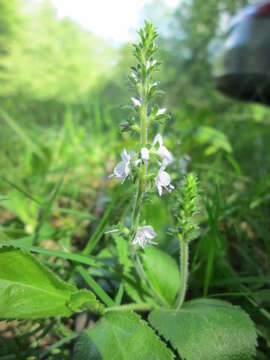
(207, 330)
(121, 336)
(29, 290)
(162, 272)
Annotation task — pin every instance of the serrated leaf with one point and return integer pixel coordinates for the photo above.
(162, 272)
(30, 290)
(207, 330)
(121, 336)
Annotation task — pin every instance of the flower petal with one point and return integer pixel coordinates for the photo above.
(164, 178)
(158, 139)
(149, 232)
(144, 154)
(161, 111)
(144, 235)
(137, 162)
(165, 154)
(119, 169)
(124, 155)
(135, 102)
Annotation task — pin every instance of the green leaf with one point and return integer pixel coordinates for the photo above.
(121, 336)
(162, 272)
(29, 290)
(40, 166)
(22, 244)
(207, 329)
(123, 250)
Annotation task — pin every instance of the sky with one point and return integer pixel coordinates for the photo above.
(110, 19)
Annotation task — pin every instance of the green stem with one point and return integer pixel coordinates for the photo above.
(183, 272)
(142, 175)
(130, 307)
(142, 178)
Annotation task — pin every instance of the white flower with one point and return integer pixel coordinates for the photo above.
(162, 151)
(122, 169)
(136, 102)
(134, 75)
(161, 111)
(137, 162)
(163, 179)
(150, 63)
(144, 235)
(144, 154)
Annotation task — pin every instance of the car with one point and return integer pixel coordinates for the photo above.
(242, 69)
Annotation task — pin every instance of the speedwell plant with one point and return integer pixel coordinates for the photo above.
(169, 327)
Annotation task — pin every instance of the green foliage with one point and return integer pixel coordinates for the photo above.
(163, 274)
(29, 290)
(121, 336)
(8, 17)
(25, 209)
(207, 330)
(214, 138)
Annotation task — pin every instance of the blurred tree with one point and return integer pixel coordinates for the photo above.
(196, 30)
(51, 63)
(8, 19)
(53, 59)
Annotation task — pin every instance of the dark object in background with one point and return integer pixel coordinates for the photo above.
(243, 69)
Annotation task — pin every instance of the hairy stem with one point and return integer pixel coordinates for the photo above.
(130, 307)
(141, 188)
(183, 272)
(142, 178)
